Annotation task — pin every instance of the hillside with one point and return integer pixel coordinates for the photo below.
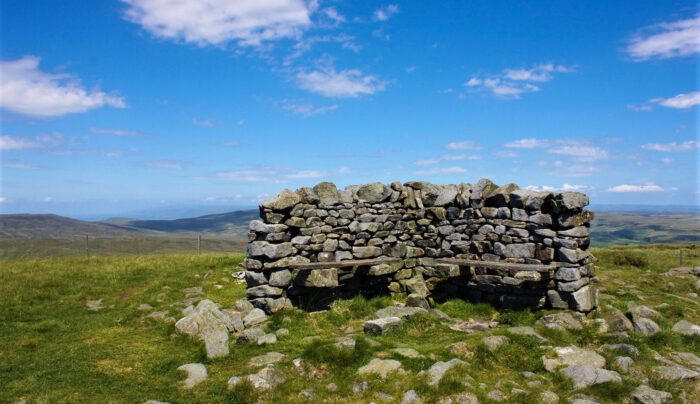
(643, 227)
(55, 226)
(223, 223)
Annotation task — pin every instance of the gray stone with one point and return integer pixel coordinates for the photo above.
(646, 395)
(622, 348)
(466, 398)
(571, 200)
(540, 218)
(286, 262)
(285, 200)
(645, 326)
(263, 291)
(145, 307)
(573, 355)
(196, 373)
(585, 299)
(567, 274)
(526, 250)
(574, 219)
(618, 322)
(372, 193)
(555, 300)
(317, 278)
(676, 372)
(360, 387)
(280, 278)
(526, 331)
(686, 358)
(564, 320)
(493, 342)
(256, 316)
(253, 278)
(271, 251)
(685, 327)
(384, 269)
(345, 343)
(624, 362)
(267, 359)
(267, 339)
(580, 231)
(327, 193)
(210, 325)
(416, 300)
(407, 352)
(300, 240)
(366, 252)
(382, 367)
(548, 397)
(495, 395)
(266, 379)
(399, 311)
(585, 376)
(411, 397)
(382, 325)
(571, 255)
(438, 370)
(250, 335)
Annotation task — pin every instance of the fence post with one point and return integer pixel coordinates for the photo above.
(681, 257)
(87, 247)
(199, 243)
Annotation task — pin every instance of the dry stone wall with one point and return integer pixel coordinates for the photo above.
(419, 224)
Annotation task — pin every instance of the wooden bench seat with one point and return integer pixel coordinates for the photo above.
(344, 264)
(499, 265)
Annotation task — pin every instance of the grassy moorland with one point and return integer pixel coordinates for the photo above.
(53, 349)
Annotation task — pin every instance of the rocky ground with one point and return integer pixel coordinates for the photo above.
(193, 340)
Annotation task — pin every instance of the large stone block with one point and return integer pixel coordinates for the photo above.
(317, 278)
(285, 200)
(584, 299)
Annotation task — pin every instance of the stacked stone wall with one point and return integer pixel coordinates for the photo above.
(418, 224)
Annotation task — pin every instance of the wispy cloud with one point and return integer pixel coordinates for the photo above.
(506, 154)
(117, 132)
(666, 40)
(307, 109)
(384, 13)
(648, 187)
(530, 143)
(167, 164)
(563, 188)
(207, 123)
(686, 146)
(271, 174)
(26, 90)
(680, 101)
(447, 157)
(20, 166)
(37, 142)
(442, 171)
(581, 153)
(512, 83)
(307, 174)
(641, 107)
(463, 145)
(216, 22)
(343, 84)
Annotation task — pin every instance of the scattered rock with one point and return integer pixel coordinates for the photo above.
(624, 362)
(527, 331)
(398, 311)
(461, 349)
(256, 316)
(549, 397)
(381, 367)
(473, 326)
(360, 387)
(94, 305)
(493, 342)
(583, 399)
(438, 370)
(416, 300)
(210, 325)
(646, 395)
(267, 339)
(439, 314)
(307, 394)
(411, 397)
(564, 320)
(267, 359)
(266, 379)
(250, 335)
(685, 327)
(495, 395)
(618, 322)
(407, 352)
(282, 332)
(382, 325)
(622, 348)
(331, 387)
(383, 396)
(145, 307)
(686, 358)
(584, 376)
(675, 372)
(466, 398)
(645, 326)
(196, 373)
(573, 355)
(345, 343)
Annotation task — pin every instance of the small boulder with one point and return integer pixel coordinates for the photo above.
(646, 395)
(411, 397)
(382, 367)
(585, 376)
(527, 331)
(685, 327)
(573, 355)
(196, 373)
(382, 325)
(493, 342)
(438, 370)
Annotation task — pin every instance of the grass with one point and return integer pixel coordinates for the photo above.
(52, 349)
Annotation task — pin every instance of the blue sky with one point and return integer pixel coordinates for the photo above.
(115, 106)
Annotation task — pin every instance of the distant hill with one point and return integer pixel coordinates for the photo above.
(55, 226)
(608, 228)
(231, 224)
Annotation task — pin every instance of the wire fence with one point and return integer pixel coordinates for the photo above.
(89, 246)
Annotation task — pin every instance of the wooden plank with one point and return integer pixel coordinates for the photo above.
(346, 263)
(498, 265)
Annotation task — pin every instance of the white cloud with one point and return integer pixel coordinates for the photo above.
(686, 146)
(511, 83)
(637, 108)
(441, 171)
(37, 142)
(506, 154)
(307, 174)
(3, 199)
(116, 132)
(680, 101)
(166, 164)
(384, 13)
(26, 90)
(667, 160)
(530, 143)
(207, 123)
(666, 40)
(215, 22)
(333, 15)
(345, 83)
(581, 153)
(563, 188)
(308, 109)
(648, 187)
(447, 157)
(463, 145)
(21, 166)
(264, 174)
